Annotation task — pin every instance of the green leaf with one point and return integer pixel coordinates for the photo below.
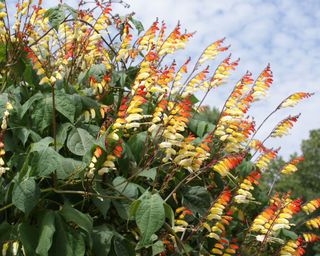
(122, 79)
(102, 203)
(97, 71)
(68, 167)
(46, 234)
(102, 240)
(45, 162)
(138, 25)
(169, 213)
(5, 231)
(133, 208)
(289, 234)
(62, 132)
(122, 247)
(79, 141)
(193, 99)
(83, 221)
(23, 134)
(3, 52)
(150, 173)
(67, 240)
(196, 199)
(157, 248)
(29, 237)
(42, 144)
(65, 106)
(25, 195)
(56, 15)
(150, 217)
(137, 145)
(42, 114)
(126, 188)
(25, 107)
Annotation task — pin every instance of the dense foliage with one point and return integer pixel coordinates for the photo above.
(105, 150)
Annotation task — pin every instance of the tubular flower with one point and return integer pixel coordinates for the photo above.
(146, 41)
(311, 206)
(219, 206)
(215, 213)
(294, 99)
(313, 223)
(211, 52)
(173, 124)
(123, 52)
(276, 216)
(195, 83)
(147, 77)
(238, 102)
(310, 237)
(177, 85)
(234, 132)
(283, 127)
(96, 155)
(257, 145)
(224, 247)
(174, 41)
(222, 72)
(130, 114)
(165, 77)
(262, 84)
(217, 231)
(243, 194)
(180, 223)
(263, 161)
(192, 156)
(291, 167)
(292, 248)
(3, 128)
(225, 165)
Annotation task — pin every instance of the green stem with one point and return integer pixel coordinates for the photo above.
(54, 122)
(6, 207)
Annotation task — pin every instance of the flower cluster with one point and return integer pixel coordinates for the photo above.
(291, 167)
(283, 127)
(224, 247)
(313, 223)
(263, 161)
(180, 222)
(294, 99)
(226, 164)
(311, 206)
(292, 248)
(275, 217)
(4, 126)
(243, 194)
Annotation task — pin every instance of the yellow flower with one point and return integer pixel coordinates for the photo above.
(44, 80)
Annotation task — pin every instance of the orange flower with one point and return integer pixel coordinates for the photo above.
(243, 194)
(294, 99)
(224, 166)
(262, 83)
(212, 51)
(311, 206)
(310, 237)
(283, 127)
(313, 223)
(292, 248)
(222, 71)
(264, 159)
(291, 167)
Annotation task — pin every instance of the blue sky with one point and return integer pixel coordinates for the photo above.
(284, 33)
